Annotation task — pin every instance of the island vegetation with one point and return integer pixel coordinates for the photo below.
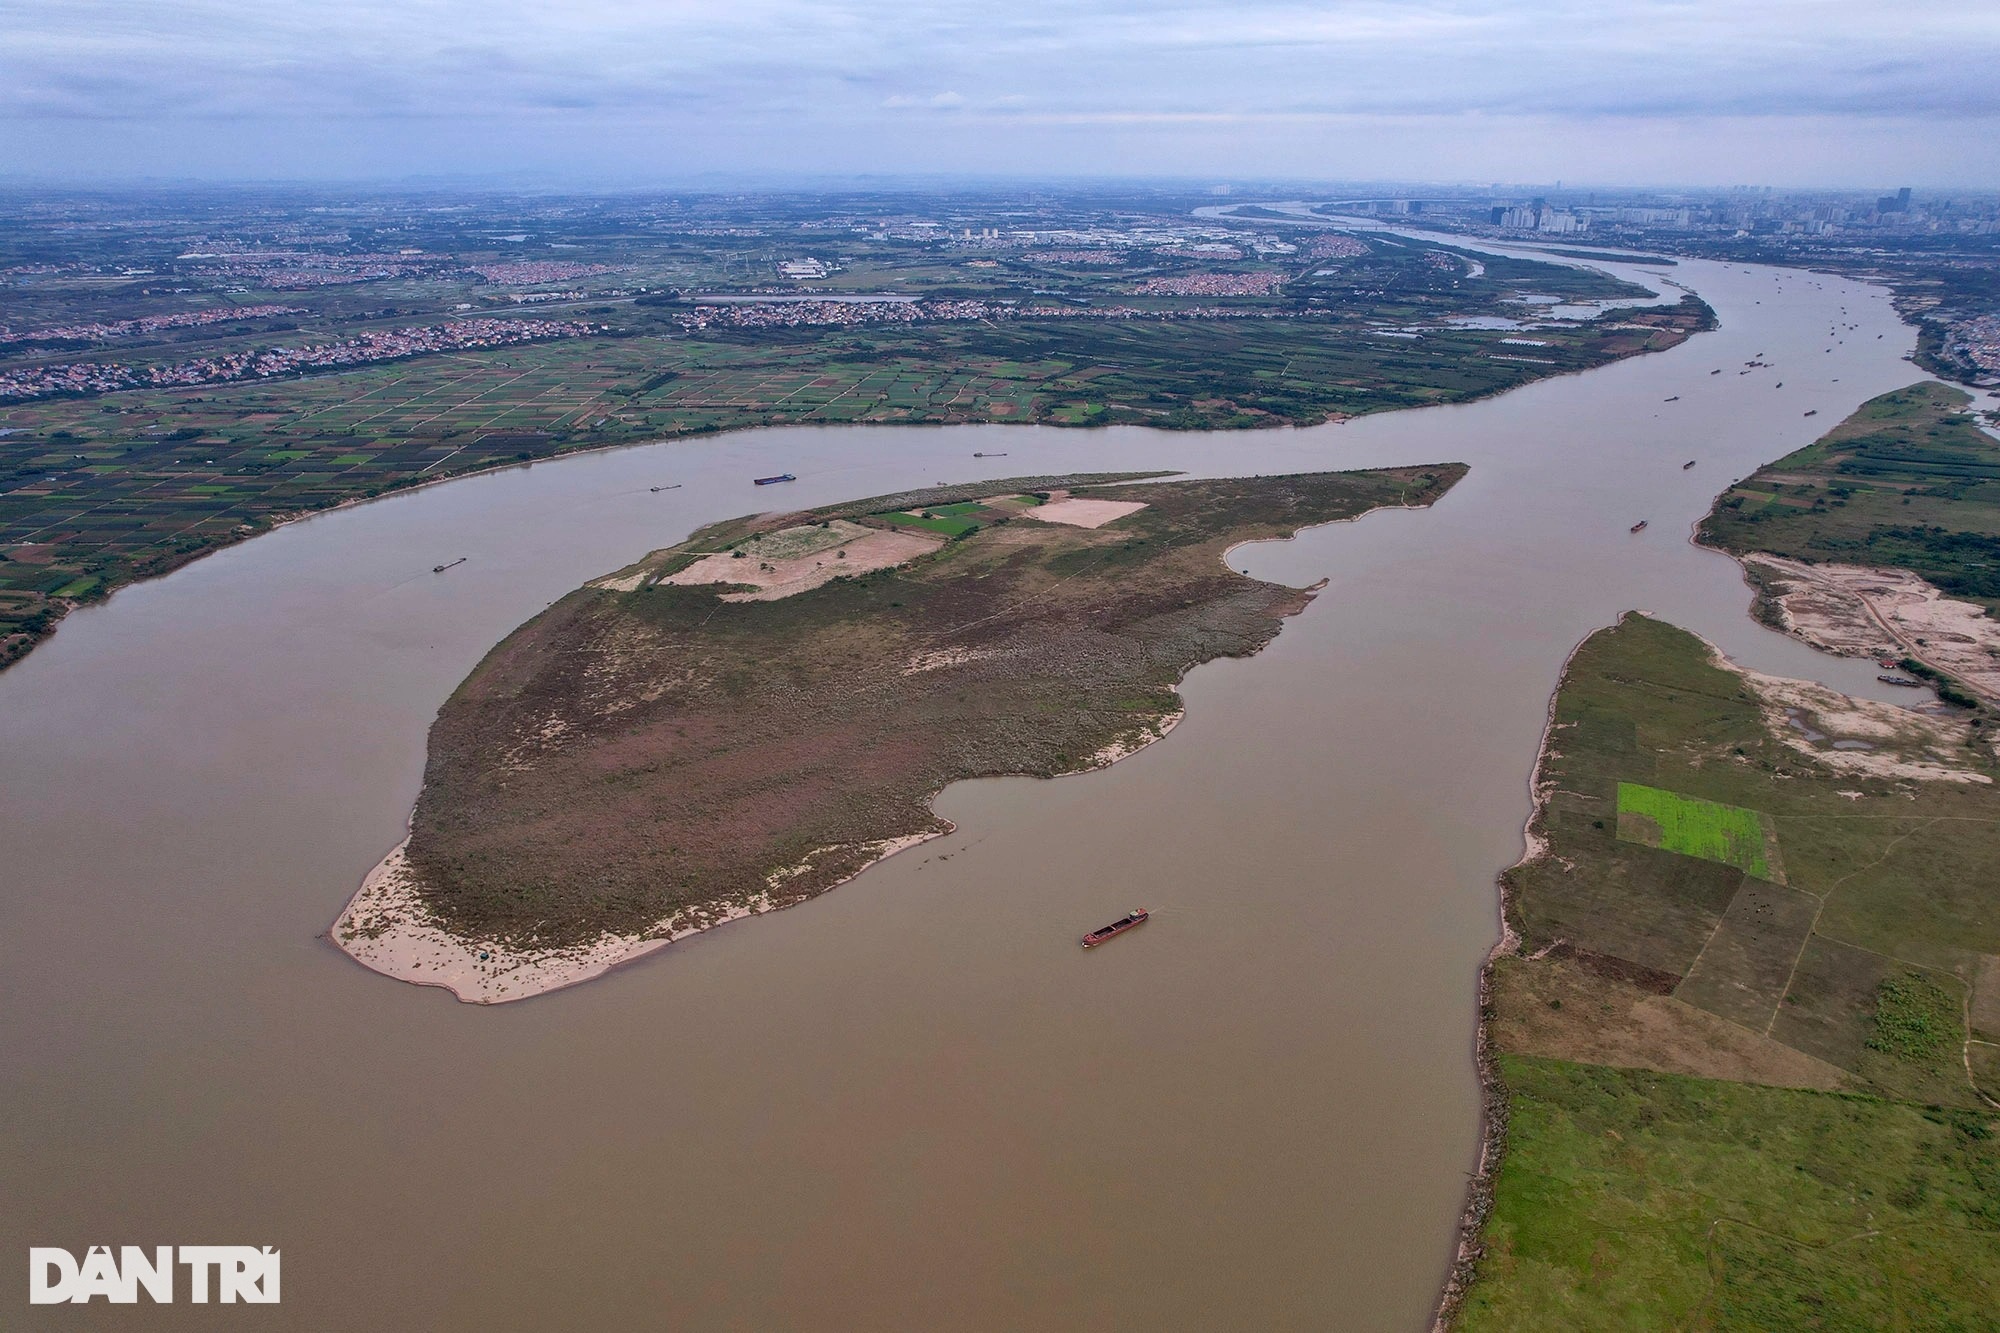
(742, 721)
(1910, 480)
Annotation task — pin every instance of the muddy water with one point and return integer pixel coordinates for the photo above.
(912, 1103)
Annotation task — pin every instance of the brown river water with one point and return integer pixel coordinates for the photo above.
(912, 1103)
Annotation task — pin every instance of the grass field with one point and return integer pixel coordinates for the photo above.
(1665, 1166)
(1638, 1200)
(950, 527)
(1692, 827)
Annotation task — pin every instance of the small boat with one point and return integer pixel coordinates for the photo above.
(439, 569)
(1901, 680)
(989, 455)
(773, 481)
(1715, 372)
(1685, 466)
(1640, 526)
(1813, 413)
(1136, 916)
(1779, 385)
(657, 489)
(1675, 399)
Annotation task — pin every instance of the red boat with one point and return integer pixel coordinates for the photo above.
(1136, 916)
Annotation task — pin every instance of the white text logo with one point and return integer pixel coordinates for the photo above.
(225, 1273)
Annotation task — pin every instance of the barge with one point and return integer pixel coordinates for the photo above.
(773, 481)
(1137, 916)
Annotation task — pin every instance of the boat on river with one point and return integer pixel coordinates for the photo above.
(979, 455)
(1136, 917)
(1901, 680)
(1685, 466)
(1813, 413)
(773, 481)
(657, 489)
(1640, 526)
(439, 569)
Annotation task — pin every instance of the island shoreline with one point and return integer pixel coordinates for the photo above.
(594, 961)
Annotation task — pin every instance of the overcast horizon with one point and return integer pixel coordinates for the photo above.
(1792, 93)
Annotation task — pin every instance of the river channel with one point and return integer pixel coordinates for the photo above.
(912, 1103)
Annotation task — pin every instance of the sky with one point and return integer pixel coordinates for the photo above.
(1837, 93)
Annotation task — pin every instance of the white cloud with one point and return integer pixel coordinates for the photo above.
(835, 68)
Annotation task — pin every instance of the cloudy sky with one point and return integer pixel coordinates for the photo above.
(1783, 92)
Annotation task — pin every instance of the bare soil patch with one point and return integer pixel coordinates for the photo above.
(1560, 1008)
(1080, 513)
(1860, 611)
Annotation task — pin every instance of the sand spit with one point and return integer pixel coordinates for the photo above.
(1859, 611)
(386, 928)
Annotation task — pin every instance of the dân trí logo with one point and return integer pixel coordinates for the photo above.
(223, 1273)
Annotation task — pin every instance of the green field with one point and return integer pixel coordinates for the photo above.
(1738, 1095)
(1693, 827)
(950, 527)
(1638, 1200)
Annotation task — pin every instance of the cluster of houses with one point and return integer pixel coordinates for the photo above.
(384, 345)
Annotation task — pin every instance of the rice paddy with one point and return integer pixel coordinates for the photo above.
(1694, 827)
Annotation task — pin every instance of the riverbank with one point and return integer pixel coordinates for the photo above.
(656, 755)
(284, 448)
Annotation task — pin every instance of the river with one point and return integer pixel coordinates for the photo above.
(913, 1102)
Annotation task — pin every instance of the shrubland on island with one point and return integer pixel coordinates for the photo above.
(742, 721)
